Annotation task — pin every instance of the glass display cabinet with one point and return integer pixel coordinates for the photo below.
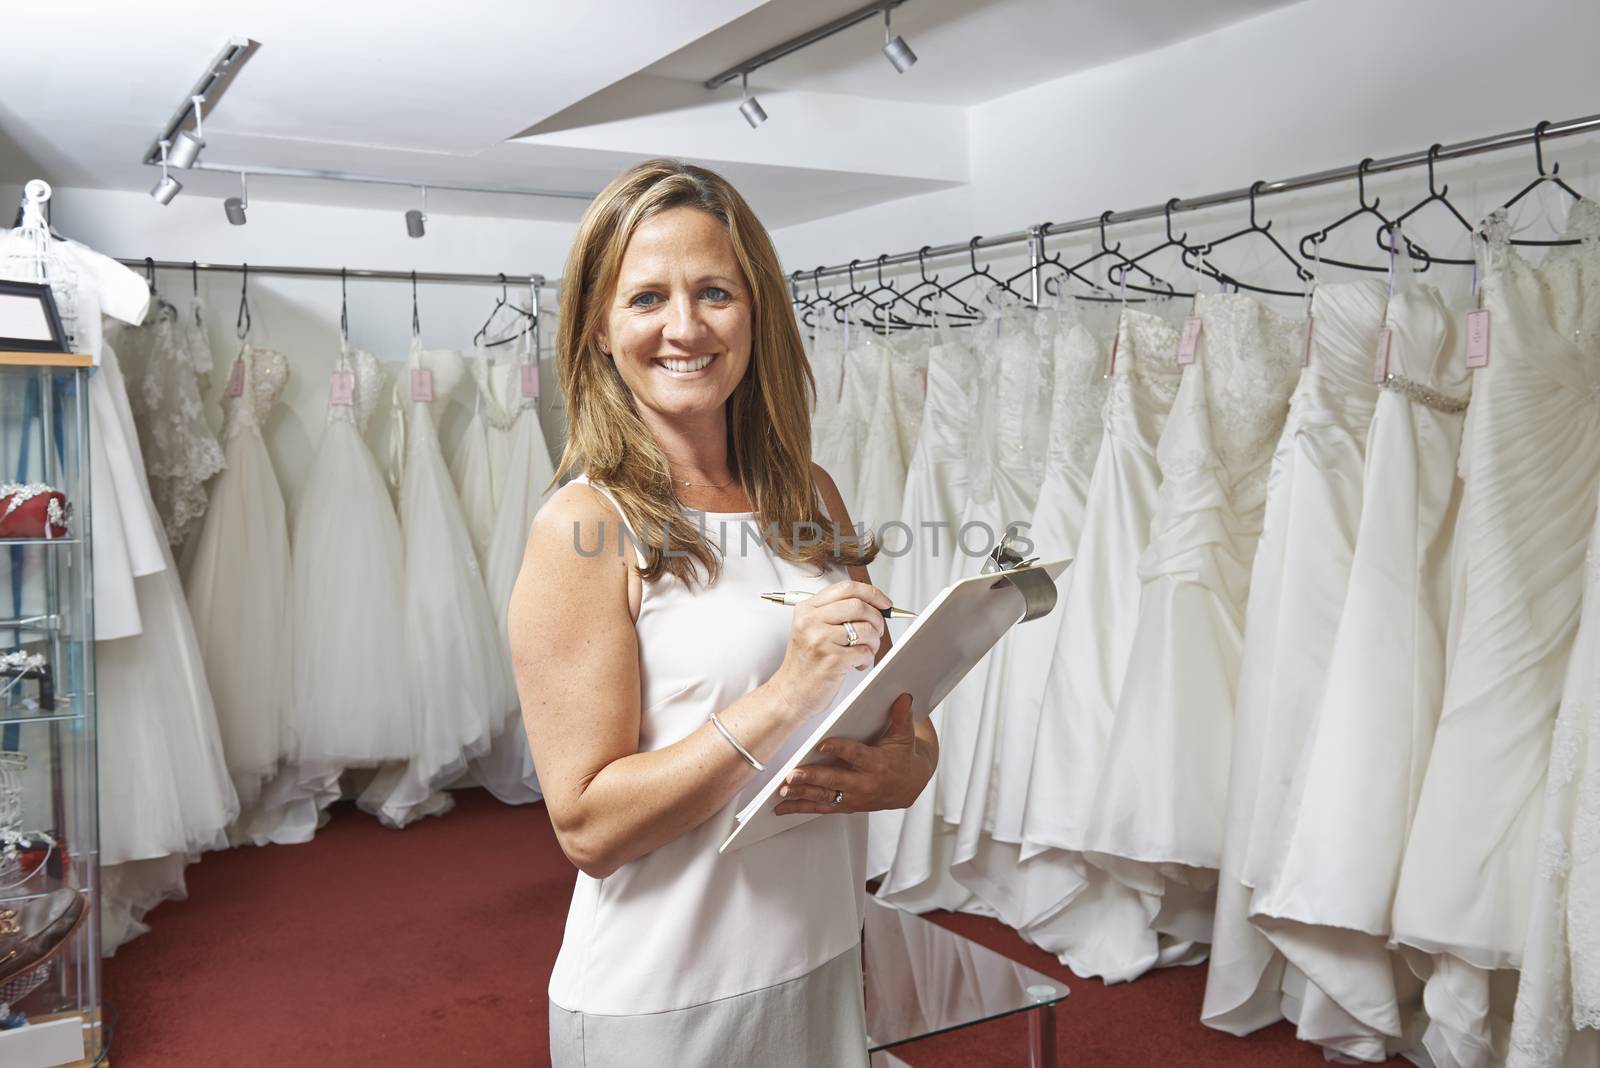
(50, 1009)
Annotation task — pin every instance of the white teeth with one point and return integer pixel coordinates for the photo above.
(684, 366)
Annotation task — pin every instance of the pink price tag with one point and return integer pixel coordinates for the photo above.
(1112, 369)
(1189, 342)
(342, 389)
(421, 385)
(530, 381)
(1380, 361)
(236, 380)
(1478, 338)
(1305, 352)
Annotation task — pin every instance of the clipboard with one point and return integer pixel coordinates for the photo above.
(944, 642)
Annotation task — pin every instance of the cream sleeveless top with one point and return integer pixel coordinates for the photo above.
(682, 926)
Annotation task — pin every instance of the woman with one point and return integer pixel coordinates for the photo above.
(654, 680)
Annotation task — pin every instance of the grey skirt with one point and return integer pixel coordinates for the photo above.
(817, 1019)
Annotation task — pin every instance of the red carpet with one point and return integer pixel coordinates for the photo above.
(432, 947)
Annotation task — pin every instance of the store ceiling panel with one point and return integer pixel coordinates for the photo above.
(547, 94)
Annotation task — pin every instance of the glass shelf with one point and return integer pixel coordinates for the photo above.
(923, 980)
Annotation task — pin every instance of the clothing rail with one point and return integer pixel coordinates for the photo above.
(1035, 235)
(351, 273)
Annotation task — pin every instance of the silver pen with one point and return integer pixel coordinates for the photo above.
(790, 598)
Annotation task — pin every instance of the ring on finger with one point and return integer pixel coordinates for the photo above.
(850, 635)
(838, 797)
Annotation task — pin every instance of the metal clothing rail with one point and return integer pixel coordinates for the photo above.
(1035, 235)
(351, 273)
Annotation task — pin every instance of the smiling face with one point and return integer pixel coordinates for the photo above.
(678, 325)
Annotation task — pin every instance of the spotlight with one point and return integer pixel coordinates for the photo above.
(168, 187)
(235, 206)
(186, 146)
(417, 217)
(750, 107)
(896, 49)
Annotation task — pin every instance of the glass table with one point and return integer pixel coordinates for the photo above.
(923, 980)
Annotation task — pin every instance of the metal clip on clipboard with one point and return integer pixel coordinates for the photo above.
(1038, 589)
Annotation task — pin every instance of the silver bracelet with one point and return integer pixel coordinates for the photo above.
(742, 751)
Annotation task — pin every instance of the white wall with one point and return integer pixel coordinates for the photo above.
(300, 317)
(1321, 84)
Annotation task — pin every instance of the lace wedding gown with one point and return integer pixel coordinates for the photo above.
(478, 466)
(506, 770)
(459, 667)
(237, 575)
(180, 451)
(988, 841)
(1531, 462)
(936, 489)
(1158, 811)
(1297, 590)
(353, 698)
(1557, 1019)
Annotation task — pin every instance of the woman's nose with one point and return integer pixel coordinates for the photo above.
(685, 324)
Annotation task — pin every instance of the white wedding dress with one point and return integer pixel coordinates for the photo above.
(1092, 923)
(988, 841)
(1297, 590)
(459, 667)
(180, 451)
(353, 696)
(1557, 1019)
(506, 770)
(1157, 818)
(936, 489)
(827, 371)
(237, 575)
(1531, 461)
(165, 795)
(892, 433)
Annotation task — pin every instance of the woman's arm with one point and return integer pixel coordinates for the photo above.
(576, 657)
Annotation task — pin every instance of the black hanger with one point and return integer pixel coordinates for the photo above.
(936, 291)
(885, 310)
(194, 277)
(1180, 243)
(241, 323)
(1052, 283)
(525, 320)
(416, 321)
(1435, 194)
(1202, 251)
(1310, 244)
(1553, 176)
(1117, 272)
(150, 274)
(984, 273)
(344, 307)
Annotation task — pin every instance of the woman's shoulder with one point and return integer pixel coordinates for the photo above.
(832, 500)
(574, 515)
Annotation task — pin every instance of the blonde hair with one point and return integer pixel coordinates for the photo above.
(768, 414)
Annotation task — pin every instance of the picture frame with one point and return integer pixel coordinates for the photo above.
(29, 321)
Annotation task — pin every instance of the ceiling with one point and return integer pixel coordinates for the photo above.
(550, 95)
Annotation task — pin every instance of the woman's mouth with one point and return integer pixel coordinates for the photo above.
(684, 365)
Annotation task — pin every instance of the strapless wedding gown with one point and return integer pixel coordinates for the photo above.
(353, 700)
(459, 670)
(988, 841)
(1092, 923)
(1157, 818)
(936, 489)
(1531, 461)
(506, 770)
(1297, 590)
(237, 575)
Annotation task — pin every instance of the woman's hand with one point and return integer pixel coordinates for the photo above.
(819, 654)
(887, 775)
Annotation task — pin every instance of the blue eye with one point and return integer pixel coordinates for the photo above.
(643, 300)
(717, 293)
